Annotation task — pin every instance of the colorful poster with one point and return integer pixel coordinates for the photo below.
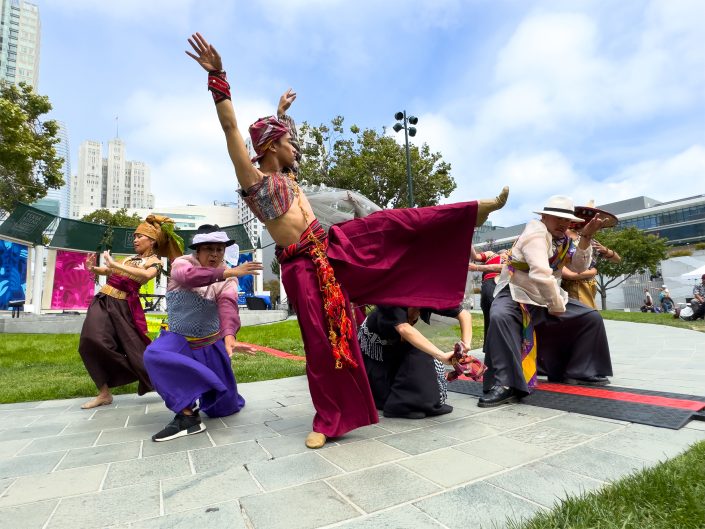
(74, 285)
(13, 272)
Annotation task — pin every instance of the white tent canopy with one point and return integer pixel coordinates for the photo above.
(695, 273)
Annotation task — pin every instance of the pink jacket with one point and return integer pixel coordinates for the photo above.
(188, 274)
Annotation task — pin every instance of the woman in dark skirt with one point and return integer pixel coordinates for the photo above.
(405, 370)
(190, 364)
(114, 333)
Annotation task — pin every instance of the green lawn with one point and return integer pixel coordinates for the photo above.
(670, 495)
(650, 317)
(43, 367)
(47, 366)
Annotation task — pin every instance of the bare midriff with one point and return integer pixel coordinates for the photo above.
(287, 228)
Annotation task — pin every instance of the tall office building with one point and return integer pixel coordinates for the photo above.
(112, 182)
(137, 185)
(58, 201)
(115, 175)
(88, 187)
(20, 35)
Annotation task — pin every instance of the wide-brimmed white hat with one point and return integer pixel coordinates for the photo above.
(210, 233)
(560, 206)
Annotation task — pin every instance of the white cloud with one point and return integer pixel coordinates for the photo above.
(180, 138)
(136, 12)
(562, 80)
(664, 179)
(581, 99)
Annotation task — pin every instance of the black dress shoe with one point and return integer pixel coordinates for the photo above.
(498, 395)
(597, 380)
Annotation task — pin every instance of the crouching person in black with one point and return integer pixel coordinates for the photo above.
(406, 371)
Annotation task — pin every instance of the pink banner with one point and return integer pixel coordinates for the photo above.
(73, 283)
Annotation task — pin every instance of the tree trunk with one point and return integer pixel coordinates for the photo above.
(601, 289)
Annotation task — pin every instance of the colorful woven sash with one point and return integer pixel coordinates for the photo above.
(119, 284)
(198, 343)
(529, 346)
(314, 242)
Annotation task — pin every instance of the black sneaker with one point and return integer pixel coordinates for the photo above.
(181, 425)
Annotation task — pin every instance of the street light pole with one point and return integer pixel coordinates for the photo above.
(409, 181)
(403, 122)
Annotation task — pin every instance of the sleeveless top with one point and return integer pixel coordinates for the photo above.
(191, 314)
(271, 197)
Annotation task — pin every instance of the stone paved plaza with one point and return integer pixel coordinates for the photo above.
(63, 467)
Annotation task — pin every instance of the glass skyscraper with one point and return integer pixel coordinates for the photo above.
(20, 36)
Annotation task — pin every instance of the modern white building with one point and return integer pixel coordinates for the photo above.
(20, 37)
(112, 182)
(680, 221)
(187, 217)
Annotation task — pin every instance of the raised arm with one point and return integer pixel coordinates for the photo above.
(189, 275)
(209, 59)
(285, 101)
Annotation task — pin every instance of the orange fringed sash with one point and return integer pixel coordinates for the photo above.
(340, 328)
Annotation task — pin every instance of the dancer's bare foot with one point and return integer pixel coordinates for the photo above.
(488, 205)
(98, 401)
(315, 440)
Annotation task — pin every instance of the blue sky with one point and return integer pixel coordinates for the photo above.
(599, 100)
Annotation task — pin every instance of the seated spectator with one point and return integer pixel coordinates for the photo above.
(699, 297)
(665, 300)
(648, 305)
(404, 368)
(533, 323)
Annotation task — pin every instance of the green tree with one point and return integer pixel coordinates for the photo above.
(639, 251)
(119, 218)
(29, 165)
(373, 164)
(275, 268)
(273, 286)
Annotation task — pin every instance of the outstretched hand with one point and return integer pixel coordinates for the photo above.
(245, 269)
(232, 346)
(285, 101)
(447, 358)
(206, 54)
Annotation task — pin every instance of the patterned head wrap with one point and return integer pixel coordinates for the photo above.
(264, 132)
(161, 229)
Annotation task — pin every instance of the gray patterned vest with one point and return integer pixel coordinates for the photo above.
(191, 315)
